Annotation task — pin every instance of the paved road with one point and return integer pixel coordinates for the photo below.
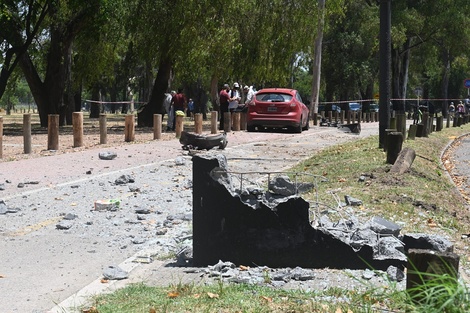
(42, 266)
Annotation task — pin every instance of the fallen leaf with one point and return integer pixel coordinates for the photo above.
(152, 310)
(267, 299)
(212, 295)
(1, 276)
(104, 281)
(90, 310)
(244, 268)
(57, 198)
(173, 295)
(196, 295)
(341, 180)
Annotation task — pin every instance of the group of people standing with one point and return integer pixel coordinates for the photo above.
(230, 99)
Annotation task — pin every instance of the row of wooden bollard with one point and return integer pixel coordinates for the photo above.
(348, 116)
(235, 121)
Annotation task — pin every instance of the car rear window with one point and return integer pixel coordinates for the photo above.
(273, 97)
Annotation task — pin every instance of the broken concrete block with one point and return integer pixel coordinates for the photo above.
(352, 201)
(427, 241)
(383, 226)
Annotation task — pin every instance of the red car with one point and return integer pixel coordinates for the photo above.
(278, 108)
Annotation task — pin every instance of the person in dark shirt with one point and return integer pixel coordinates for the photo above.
(224, 99)
(178, 103)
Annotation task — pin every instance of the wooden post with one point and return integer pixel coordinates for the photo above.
(227, 122)
(448, 120)
(330, 116)
(157, 126)
(198, 123)
(179, 125)
(103, 129)
(426, 265)
(404, 161)
(336, 116)
(353, 117)
(53, 132)
(387, 131)
(395, 143)
(412, 132)
(243, 121)
(27, 133)
(214, 119)
(342, 117)
(129, 128)
(77, 124)
(236, 121)
(439, 123)
(425, 123)
(401, 123)
(349, 117)
(1, 137)
(315, 119)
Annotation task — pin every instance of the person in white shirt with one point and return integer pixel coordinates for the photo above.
(169, 111)
(235, 97)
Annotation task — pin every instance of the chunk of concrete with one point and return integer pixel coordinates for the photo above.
(427, 241)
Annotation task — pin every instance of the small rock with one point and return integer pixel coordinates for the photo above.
(179, 160)
(3, 207)
(2, 186)
(368, 274)
(107, 155)
(142, 211)
(124, 179)
(88, 172)
(115, 273)
(63, 225)
(352, 201)
(138, 241)
(395, 274)
(20, 185)
(70, 216)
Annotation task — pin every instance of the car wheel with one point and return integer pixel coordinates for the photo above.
(307, 125)
(299, 128)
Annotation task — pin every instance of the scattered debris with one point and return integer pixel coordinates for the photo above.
(115, 273)
(124, 179)
(107, 205)
(192, 141)
(64, 225)
(107, 155)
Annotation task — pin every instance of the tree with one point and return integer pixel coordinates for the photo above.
(20, 22)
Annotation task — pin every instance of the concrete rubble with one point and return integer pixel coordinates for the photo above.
(250, 225)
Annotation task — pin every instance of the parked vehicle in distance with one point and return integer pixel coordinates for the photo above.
(354, 106)
(373, 107)
(278, 108)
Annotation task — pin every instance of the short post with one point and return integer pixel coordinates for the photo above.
(439, 123)
(412, 131)
(129, 128)
(395, 143)
(387, 132)
(448, 120)
(227, 122)
(157, 126)
(336, 116)
(77, 124)
(198, 123)
(425, 122)
(1, 137)
(243, 121)
(330, 116)
(103, 129)
(236, 121)
(27, 133)
(179, 125)
(214, 119)
(401, 123)
(349, 117)
(315, 119)
(342, 117)
(53, 132)
(353, 117)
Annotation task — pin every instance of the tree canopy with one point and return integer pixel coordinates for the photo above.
(109, 49)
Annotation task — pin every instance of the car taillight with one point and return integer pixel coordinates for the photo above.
(292, 105)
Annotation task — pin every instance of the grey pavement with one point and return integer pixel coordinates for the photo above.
(49, 270)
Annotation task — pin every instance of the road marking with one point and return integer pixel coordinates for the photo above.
(35, 227)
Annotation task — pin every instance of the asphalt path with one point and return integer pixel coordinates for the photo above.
(43, 268)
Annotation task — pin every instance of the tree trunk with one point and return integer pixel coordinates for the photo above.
(317, 59)
(95, 107)
(155, 104)
(446, 67)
